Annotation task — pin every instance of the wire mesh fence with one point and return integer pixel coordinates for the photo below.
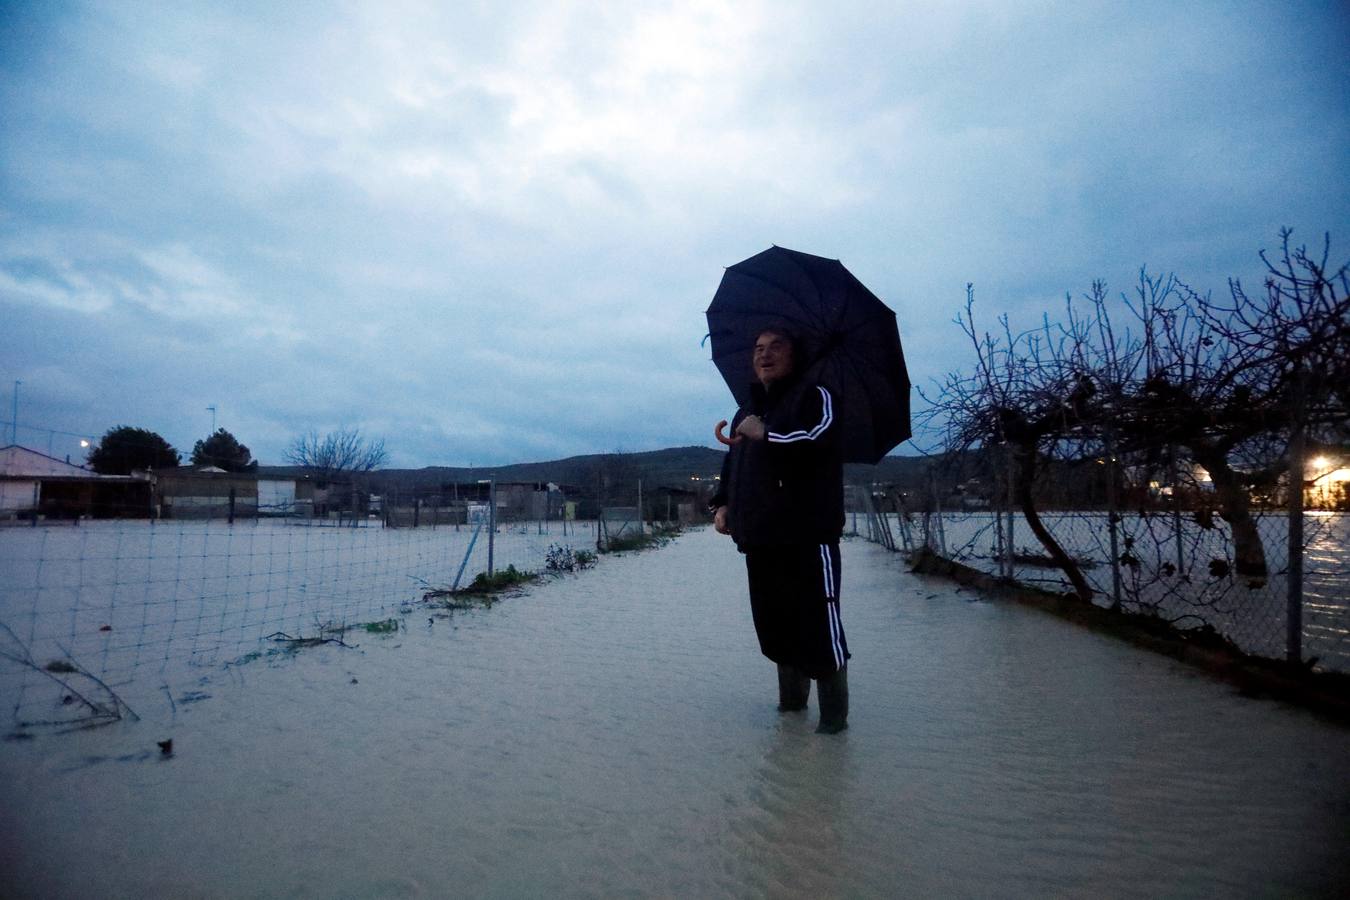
(100, 617)
(1171, 561)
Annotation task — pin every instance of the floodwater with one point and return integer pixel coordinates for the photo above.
(1251, 613)
(144, 603)
(614, 734)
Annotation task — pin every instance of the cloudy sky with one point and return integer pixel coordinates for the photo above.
(488, 232)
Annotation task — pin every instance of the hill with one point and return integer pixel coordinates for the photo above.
(674, 467)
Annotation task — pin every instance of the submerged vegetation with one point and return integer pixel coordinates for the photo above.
(561, 558)
(325, 633)
(501, 580)
(485, 589)
(659, 536)
(482, 592)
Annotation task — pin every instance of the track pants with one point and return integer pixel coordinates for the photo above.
(794, 598)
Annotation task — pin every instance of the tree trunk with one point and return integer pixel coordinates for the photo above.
(1249, 554)
(1026, 476)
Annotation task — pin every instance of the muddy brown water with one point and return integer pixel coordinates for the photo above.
(614, 734)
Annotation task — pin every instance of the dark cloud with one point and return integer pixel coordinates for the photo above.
(489, 234)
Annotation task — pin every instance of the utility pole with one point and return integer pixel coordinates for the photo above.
(14, 423)
(212, 410)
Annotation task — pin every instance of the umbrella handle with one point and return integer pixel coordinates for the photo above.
(729, 441)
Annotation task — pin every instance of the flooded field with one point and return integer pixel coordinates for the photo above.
(614, 734)
(1187, 580)
(152, 606)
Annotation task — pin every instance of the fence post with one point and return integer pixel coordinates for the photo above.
(1113, 520)
(37, 486)
(1176, 508)
(1294, 607)
(901, 518)
(417, 511)
(492, 521)
(937, 509)
(1010, 543)
(231, 516)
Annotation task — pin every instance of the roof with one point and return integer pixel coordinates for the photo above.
(1340, 473)
(20, 462)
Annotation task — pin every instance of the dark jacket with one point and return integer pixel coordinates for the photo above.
(788, 488)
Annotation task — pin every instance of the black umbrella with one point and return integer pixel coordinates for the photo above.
(851, 341)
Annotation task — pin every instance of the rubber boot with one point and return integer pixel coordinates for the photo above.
(832, 692)
(794, 689)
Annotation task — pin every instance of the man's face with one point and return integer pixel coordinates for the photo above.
(773, 357)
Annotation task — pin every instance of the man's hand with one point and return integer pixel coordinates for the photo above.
(752, 427)
(720, 521)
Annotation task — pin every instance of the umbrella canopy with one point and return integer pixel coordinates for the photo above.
(851, 341)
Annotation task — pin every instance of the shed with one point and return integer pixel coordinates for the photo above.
(205, 492)
(33, 484)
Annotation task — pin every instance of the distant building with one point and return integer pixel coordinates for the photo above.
(205, 492)
(1328, 485)
(36, 486)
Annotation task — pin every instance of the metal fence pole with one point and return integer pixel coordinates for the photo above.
(492, 520)
(1294, 608)
(1176, 508)
(937, 509)
(1010, 543)
(873, 533)
(902, 519)
(1113, 520)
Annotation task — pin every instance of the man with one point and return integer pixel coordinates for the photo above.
(782, 500)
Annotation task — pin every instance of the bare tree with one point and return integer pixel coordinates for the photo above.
(1230, 381)
(1224, 382)
(1031, 393)
(1299, 332)
(345, 451)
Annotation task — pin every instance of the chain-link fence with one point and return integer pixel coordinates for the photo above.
(1173, 560)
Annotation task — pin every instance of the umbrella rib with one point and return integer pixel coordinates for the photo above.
(798, 319)
(819, 320)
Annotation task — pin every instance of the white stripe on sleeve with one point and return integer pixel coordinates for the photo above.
(826, 418)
